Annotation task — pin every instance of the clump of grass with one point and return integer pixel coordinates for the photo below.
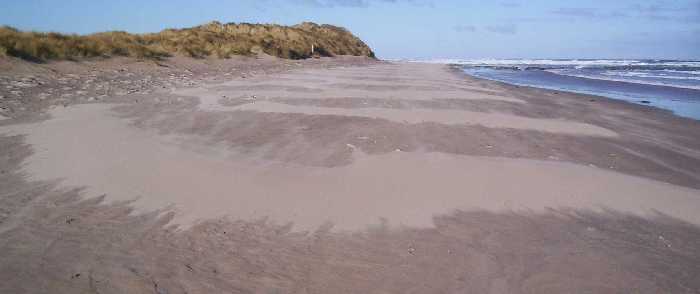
(47, 46)
(210, 40)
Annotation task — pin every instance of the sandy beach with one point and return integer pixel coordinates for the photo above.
(339, 175)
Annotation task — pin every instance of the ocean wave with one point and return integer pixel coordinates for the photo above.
(650, 75)
(630, 80)
(679, 96)
(612, 64)
(517, 62)
(696, 72)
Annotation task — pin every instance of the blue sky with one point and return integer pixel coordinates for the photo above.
(411, 28)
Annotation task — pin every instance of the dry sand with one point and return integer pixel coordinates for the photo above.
(88, 144)
(456, 117)
(409, 176)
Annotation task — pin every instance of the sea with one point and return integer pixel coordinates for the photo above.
(669, 84)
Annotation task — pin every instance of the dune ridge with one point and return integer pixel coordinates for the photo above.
(213, 39)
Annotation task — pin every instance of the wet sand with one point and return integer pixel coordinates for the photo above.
(351, 171)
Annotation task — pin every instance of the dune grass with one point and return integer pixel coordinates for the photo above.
(210, 40)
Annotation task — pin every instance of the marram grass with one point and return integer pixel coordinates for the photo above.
(210, 40)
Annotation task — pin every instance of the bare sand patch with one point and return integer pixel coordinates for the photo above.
(422, 82)
(87, 146)
(491, 120)
(324, 84)
(318, 91)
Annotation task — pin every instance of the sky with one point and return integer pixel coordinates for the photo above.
(411, 29)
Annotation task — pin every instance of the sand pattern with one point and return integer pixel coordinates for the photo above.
(387, 178)
(127, 163)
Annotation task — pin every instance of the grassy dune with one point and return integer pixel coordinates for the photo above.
(213, 39)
